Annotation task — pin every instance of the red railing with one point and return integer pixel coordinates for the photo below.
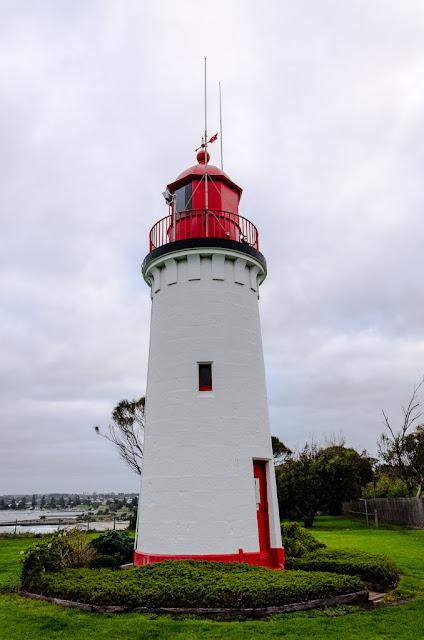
(199, 223)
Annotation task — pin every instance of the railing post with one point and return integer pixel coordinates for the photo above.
(174, 226)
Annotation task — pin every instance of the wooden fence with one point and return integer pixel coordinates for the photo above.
(407, 511)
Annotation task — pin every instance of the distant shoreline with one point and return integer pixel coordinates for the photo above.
(48, 521)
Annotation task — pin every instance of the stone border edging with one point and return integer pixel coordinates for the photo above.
(260, 612)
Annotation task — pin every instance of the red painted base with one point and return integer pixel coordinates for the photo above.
(274, 559)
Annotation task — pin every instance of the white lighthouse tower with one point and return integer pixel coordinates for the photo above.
(208, 485)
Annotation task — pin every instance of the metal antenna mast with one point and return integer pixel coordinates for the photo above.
(220, 127)
(206, 161)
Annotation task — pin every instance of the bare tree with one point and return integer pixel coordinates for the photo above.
(126, 432)
(335, 439)
(395, 446)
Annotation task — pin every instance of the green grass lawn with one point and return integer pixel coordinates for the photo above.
(22, 619)
(405, 546)
(10, 550)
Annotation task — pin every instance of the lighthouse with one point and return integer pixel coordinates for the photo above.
(208, 488)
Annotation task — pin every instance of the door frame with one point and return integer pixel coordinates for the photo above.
(262, 466)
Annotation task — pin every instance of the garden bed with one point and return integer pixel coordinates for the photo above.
(356, 597)
(187, 586)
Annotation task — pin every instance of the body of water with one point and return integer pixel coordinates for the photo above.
(36, 514)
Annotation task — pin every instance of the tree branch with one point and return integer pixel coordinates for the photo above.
(126, 432)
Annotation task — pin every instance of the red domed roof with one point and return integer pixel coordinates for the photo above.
(198, 170)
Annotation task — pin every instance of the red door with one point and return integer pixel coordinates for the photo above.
(259, 472)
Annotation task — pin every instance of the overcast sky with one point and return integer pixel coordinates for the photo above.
(101, 106)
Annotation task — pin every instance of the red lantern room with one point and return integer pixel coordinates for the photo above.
(189, 188)
(203, 203)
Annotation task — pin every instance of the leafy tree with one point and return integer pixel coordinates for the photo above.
(34, 501)
(52, 503)
(75, 501)
(13, 504)
(62, 503)
(132, 521)
(21, 504)
(346, 472)
(317, 478)
(43, 502)
(402, 450)
(3, 504)
(126, 432)
(384, 486)
(298, 486)
(279, 450)
(133, 504)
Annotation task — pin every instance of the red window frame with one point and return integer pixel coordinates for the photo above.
(205, 376)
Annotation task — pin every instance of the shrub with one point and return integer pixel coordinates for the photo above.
(188, 583)
(116, 544)
(60, 550)
(106, 561)
(374, 568)
(297, 541)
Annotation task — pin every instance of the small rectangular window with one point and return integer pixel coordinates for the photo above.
(205, 376)
(183, 197)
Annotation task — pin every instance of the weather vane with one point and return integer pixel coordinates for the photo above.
(212, 139)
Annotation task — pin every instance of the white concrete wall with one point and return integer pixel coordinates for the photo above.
(197, 494)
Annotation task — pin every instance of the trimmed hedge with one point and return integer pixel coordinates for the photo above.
(370, 567)
(298, 541)
(189, 583)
